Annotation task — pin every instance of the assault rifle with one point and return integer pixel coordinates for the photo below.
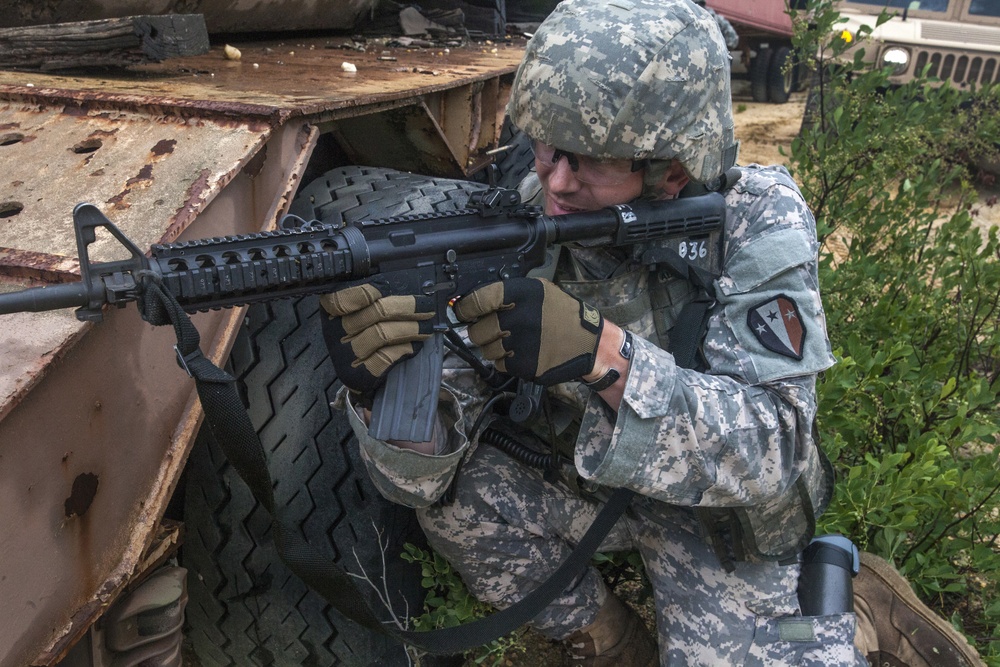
(444, 255)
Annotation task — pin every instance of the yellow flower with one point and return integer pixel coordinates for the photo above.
(847, 36)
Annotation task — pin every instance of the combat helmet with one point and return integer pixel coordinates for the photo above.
(630, 79)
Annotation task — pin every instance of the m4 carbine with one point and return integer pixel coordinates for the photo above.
(443, 255)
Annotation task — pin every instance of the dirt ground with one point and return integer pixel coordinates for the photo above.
(762, 127)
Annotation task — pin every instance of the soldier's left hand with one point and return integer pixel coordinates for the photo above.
(532, 329)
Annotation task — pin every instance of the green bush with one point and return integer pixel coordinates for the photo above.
(449, 603)
(911, 285)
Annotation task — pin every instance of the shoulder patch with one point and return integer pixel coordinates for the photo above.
(776, 323)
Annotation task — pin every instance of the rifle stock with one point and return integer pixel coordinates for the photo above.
(442, 255)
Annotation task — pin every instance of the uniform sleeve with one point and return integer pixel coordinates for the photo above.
(736, 434)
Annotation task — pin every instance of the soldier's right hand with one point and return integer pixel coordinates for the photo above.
(370, 330)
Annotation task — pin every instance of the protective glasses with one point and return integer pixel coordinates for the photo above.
(586, 169)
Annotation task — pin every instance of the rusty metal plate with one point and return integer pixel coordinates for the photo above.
(220, 15)
(277, 80)
(93, 451)
(150, 174)
(85, 390)
(89, 457)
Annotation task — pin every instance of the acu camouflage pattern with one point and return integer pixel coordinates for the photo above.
(735, 440)
(729, 33)
(508, 530)
(629, 79)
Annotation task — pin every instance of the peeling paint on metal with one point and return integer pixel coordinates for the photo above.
(160, 144)
(164, 147)
(139, 167)
(194, 199)
(38, 266)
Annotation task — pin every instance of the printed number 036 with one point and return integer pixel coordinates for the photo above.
(692, 250)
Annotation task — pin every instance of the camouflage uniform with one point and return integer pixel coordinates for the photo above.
(728, 31)
(738, 435)
(724, 457)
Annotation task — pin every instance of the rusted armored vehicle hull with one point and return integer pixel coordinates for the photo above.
(221, 16)
(97, 420)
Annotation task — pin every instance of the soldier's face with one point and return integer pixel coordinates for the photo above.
(565, 192)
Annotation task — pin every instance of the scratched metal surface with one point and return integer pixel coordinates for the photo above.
(220, 15)
(189, 145)
(295, 77)
(149, 173)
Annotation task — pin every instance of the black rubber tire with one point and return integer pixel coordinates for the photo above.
(803, 76)
(245, 607)
(812, 114)
(782, 75)
(759, 67)
(360, 193)
(516, 162)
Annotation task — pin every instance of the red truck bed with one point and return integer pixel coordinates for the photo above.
(765, 15)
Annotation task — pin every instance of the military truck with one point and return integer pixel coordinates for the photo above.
(766, 56)
(957, 40)
(124, 528)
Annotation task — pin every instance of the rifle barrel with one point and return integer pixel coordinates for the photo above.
(51, 297)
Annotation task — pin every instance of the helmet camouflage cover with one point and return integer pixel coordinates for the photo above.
(632, 79)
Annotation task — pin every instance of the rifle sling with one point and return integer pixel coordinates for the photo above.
(230, 425)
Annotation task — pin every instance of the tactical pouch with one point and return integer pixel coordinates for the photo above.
(774, 531)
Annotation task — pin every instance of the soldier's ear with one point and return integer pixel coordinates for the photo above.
(673, 181)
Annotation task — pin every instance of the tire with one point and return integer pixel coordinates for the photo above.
(245, 607)
(812, 114)
(803, 76)
(348, 194)
(782, 75)
(516, 162)
(759, 67)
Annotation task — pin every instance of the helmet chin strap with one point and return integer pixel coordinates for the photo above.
(653, 177)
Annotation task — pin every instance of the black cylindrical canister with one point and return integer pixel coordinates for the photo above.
(825, 587)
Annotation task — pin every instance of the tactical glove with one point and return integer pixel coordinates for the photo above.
(370, 330)
(532, 329)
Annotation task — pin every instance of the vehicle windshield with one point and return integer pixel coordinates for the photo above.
(922, 5)
(984, 8)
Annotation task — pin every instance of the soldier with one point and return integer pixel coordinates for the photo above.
(729, 34)
(625, 100)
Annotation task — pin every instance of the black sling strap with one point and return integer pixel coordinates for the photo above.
(230, 424)
(686, 336)
(692, 323)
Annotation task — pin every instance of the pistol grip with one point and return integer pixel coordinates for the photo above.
(405, 406)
